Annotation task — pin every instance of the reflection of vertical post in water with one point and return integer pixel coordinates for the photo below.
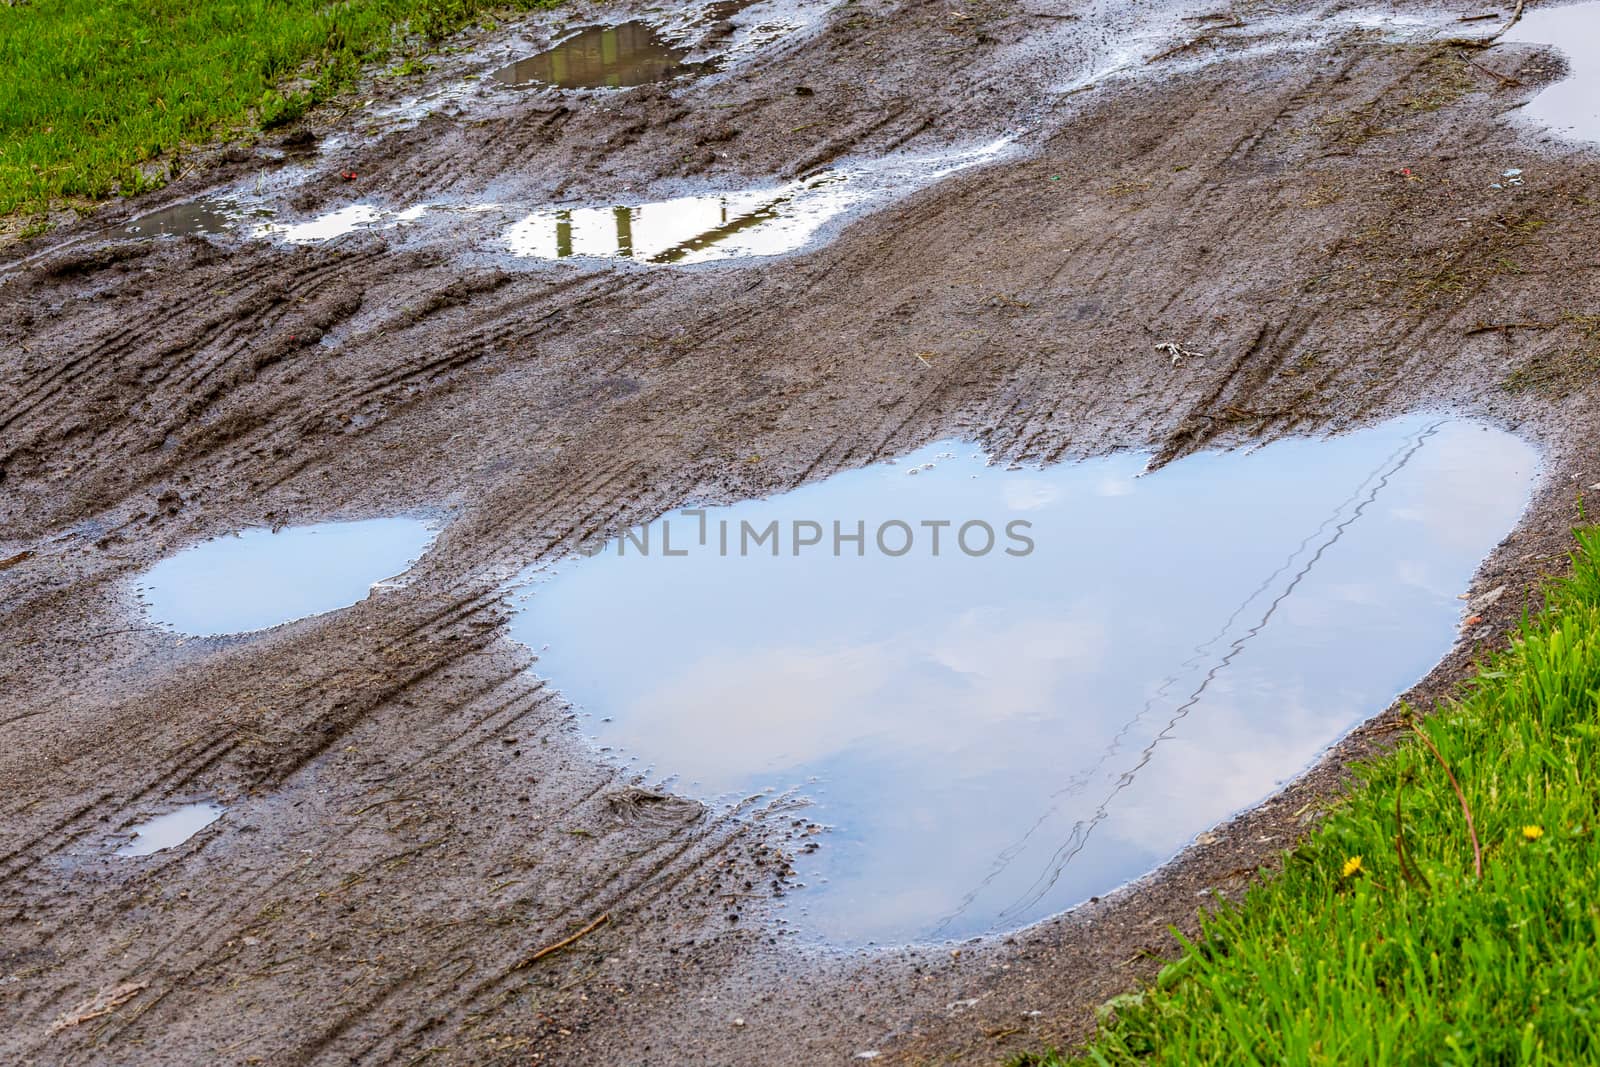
(608, 58)
(560, 72)
(734, 224)
(624, 217)
(563, 234)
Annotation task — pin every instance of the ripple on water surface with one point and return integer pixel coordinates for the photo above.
(261, 578)
(994, 737)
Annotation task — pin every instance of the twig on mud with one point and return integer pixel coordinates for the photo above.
(1179, 49)
(1477, 850)
(564, 942)
(102, 1003)
(12, 561)
(1516, 16)
(381, 803)
(1505, 79)
(1490, 327)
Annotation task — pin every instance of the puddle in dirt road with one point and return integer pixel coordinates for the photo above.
(689, 229)
(194, 217)
(1570, 107)
(1051, 693)
(686, 229)
(260, 578)
(337, 223)
(173, 828)
(758, 222)
(601, 57)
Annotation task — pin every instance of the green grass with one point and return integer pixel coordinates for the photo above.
(1420, 962)
(100, 96)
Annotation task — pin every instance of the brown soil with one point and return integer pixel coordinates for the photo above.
(412, 816)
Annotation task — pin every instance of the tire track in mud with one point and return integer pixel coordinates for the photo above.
(647, 877)
(540, 406)
(622, 897)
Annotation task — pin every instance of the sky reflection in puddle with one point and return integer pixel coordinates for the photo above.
(994, 738)
(173, 828)
(258, 579)
(1570, 107)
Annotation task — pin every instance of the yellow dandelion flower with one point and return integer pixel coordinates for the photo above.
(1352, 867)
(1532, 832)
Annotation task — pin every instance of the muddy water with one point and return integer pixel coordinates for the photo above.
(1570, 107)
(195, 217)
(173, 828)
(260, 578)
(601, 57)
(996, 730)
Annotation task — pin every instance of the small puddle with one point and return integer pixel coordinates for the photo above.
(173, 828)
(689, 229)
(1570, 107)
(1086, 669)
(260, 578)
(193, 217)
(337, 223)
(601, 57)
(758, 222)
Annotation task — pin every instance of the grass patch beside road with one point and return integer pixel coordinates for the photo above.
(100, 96)
(1378, 943)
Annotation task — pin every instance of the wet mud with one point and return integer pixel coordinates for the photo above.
(1217, 228)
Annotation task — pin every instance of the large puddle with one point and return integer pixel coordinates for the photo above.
(1021, 688)
(262, 578)
(1570, 107)
(601, 57)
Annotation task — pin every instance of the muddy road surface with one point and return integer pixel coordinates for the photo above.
(422, 859)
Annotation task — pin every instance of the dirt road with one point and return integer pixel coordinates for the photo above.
(1302, 196)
